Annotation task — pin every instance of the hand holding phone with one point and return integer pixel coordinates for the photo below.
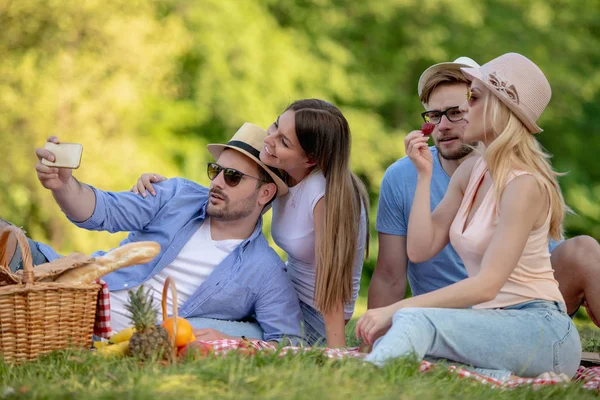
(56, 162)
(66, 155)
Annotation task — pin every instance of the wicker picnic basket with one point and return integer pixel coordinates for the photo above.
(39, 317)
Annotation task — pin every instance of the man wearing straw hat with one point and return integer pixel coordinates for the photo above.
(211, 241)
(442, 88)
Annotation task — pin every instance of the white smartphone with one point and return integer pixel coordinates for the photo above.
(68, 155)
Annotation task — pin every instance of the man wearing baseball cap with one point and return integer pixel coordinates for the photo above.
(211, 242)
(442, 88)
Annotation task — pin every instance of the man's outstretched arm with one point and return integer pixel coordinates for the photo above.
(76, 200)
(388, 284)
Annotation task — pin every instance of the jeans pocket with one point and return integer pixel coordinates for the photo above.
(313, 325)
(567, 351)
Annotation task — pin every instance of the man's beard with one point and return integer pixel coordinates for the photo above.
(464, 151)
(245, 207)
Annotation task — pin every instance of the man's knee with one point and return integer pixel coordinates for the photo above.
(579, 254)
(587, 247)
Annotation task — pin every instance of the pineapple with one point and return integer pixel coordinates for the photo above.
(149, 340)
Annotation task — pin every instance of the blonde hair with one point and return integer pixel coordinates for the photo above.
(514, 147)
(324, 135)
(440, 78)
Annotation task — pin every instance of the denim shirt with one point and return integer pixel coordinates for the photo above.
(250, 281)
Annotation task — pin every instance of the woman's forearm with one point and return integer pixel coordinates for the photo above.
(421, 232)
(462, 294)
(335, 326)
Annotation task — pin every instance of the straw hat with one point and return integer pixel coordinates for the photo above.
(518, 83)
(456, 65)
(248, 140)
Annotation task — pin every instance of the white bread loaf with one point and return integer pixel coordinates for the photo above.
(49, 271)
(130, 254)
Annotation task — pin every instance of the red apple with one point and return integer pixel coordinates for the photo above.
(196, 350)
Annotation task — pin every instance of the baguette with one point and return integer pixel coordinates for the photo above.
(129, 254)
(49, 271)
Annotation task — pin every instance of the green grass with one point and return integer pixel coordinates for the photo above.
(590, 337)
(74, 375)
(80, 374)
(77, 374)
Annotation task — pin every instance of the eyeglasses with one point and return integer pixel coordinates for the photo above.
(232, 177)
(453, 114)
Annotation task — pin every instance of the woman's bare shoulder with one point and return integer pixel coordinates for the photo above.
(463, 172)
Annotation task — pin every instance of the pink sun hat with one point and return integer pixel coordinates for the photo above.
(518, 83)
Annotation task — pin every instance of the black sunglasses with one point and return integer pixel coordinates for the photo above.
(435, 117)
(231, 176)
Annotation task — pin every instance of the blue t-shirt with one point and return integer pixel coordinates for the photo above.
(395, 202)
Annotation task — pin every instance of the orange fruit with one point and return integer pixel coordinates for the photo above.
(185, 332)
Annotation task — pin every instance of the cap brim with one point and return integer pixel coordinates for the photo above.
(434, 69)
(215, 150)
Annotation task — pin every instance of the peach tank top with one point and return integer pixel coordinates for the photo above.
(533, 277)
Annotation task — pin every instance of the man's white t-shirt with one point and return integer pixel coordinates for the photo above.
(192, 266)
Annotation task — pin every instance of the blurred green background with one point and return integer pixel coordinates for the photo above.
(145, 85)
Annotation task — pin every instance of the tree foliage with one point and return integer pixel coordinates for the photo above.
(145, 85)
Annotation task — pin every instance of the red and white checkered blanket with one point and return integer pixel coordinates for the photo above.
(589, 376)
(102, 324)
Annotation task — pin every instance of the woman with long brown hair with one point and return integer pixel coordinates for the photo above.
(322, 222)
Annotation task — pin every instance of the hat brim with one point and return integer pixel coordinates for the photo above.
(475, 73)
(434, 69)
(215, 150)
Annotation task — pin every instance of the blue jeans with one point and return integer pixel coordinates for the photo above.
(313, 326)
(250, 330)
(16, 263)
(526, 339)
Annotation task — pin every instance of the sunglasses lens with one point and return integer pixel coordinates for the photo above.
(232, 177)
(213, 170)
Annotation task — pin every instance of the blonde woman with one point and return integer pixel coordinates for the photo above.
(498, 213)
(322, 223)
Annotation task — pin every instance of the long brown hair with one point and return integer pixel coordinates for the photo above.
(324, 135)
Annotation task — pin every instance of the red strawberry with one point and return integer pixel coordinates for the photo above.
(427, 128)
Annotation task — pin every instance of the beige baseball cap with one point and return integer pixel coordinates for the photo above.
(456, 65)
